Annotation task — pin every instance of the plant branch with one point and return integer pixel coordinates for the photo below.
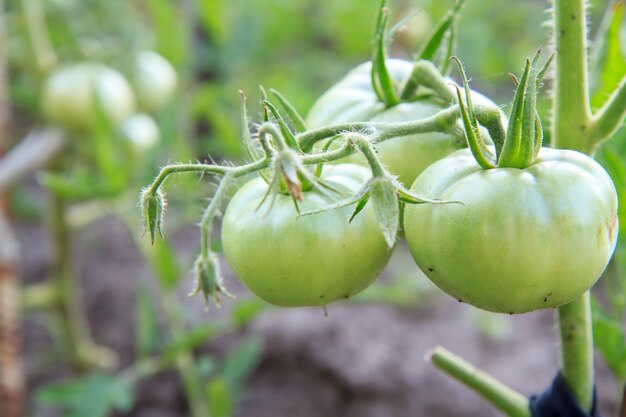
(610, 117)
(507, 400)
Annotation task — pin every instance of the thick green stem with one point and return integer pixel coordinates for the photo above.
(571, 130)
(507, 400)
(577, 348)
(572, 115)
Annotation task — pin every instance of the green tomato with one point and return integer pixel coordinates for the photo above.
(155, 81)
(519, 239)
(308, 261)
(72, 94)
(353, 99)
(142, 131)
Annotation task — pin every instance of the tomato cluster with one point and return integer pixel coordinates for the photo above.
(77, 96)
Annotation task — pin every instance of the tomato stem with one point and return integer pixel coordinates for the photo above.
(577, 348)
(507, 400)
(571, 131)
(425, 74)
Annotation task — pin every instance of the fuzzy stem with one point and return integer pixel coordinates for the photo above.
(440, 122)
(577, 348)
(571, 131)
(507, 400)
(572, 115)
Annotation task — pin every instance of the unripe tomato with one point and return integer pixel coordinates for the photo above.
(353, 99)
(520, 239)
(72, 94)
(155, 80)
(142, 131)
(308, 261)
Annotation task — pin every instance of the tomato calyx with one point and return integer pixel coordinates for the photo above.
(209, 281)
(519, 147)
(429, 69)
(153, 206)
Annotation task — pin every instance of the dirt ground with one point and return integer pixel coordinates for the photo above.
(362, 360)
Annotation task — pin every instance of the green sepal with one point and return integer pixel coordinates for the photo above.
(153, 206)
(382, 82)
(290, 138)
(524, 134)
(319, 167)
(382, 191)
(209, 281)
(294, 117)
(444, 34)
(484, 157)
(360, 205)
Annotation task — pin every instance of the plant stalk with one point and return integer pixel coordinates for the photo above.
(83, 351)
(572, 119)
(572, 113)
(507, 400)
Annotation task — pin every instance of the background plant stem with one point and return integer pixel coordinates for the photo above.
(570, 130)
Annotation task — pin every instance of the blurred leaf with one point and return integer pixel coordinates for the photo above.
(610, 56)
(94, 395)
(608, 336)
(220, 398)
(148, 332)
(163, 259)
(246, 310)
(206, 365)
(189, 340)
(242, 361)
(172, 30)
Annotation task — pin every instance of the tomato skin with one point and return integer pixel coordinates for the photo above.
(354, 100)
(523, 239)
(310, 261)
(70, 94)
(155, 81)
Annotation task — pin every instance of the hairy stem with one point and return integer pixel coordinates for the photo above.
(571, 130)
(43, 55)
(577, 348)
(572, 115)
(507, 400)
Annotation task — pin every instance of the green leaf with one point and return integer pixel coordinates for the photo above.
(190, 340)
(148, 332)
(294, 117)
(246, 310)
(444, 35)
(220, 397)
(382, 82)
(385, 202)
(610, 59)
(242, 361)
(94, 395)
(163, 258)
(608, 336)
